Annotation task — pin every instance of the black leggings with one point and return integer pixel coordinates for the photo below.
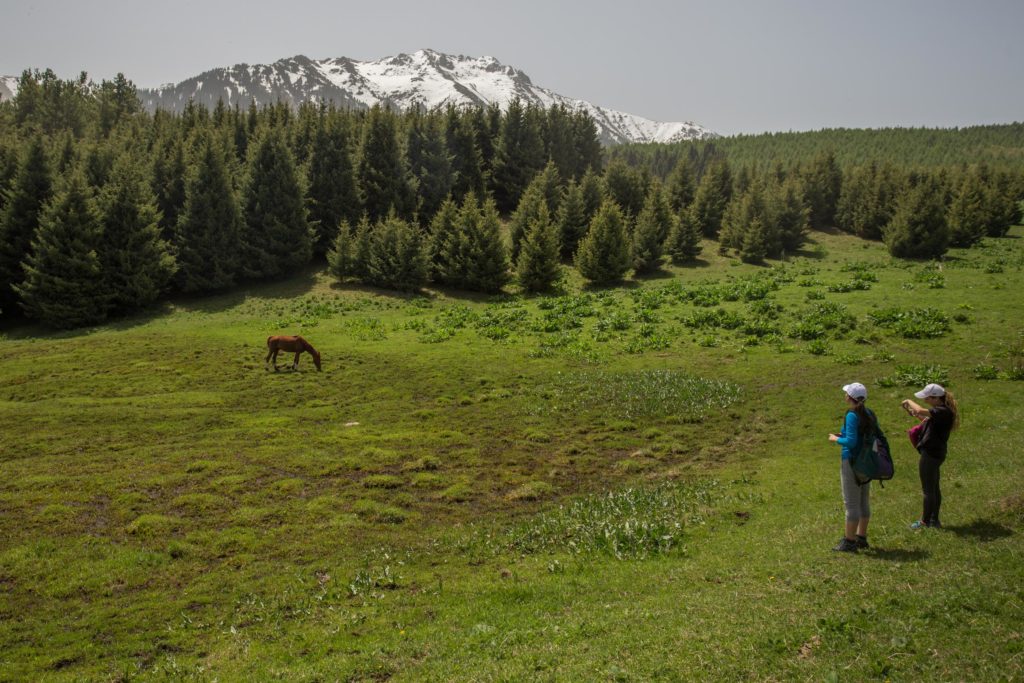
(928, 467)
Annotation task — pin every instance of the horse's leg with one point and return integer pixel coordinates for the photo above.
(295, 365)
(275, 359)
(270, 352)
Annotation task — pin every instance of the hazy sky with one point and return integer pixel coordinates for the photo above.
(731, 66)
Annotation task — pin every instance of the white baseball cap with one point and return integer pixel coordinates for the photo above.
(856, 390)
(931, 391)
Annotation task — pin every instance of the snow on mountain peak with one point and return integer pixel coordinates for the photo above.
(424, 78)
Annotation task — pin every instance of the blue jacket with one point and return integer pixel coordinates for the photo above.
(849, 438)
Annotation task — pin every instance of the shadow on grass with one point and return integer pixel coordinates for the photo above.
(897, 554)
(982, 530)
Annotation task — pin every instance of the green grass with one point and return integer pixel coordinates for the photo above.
(630, 483)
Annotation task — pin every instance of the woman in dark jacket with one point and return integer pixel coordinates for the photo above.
(939, 418)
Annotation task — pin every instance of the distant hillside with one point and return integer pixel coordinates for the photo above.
(1001, 146)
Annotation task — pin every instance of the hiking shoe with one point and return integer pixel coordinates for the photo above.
(862, 543)
(935, 524)
(918, 525)
(846, 546)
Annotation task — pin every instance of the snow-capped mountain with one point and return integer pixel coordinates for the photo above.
(425, 77)
(8, 86)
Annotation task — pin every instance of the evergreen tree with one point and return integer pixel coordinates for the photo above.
(592, 186)
(538, 266)
(550, 181)
(444, 248)
(30, 191)
(822, 186)
(968, 216)
(712, 197)
(647, 245)
(518, 155)
(361, 249)
(918, 228)
(589, 152)
(63, 284)
(467, 164)
(1004, 205)
(484, 256)
(168, 183)
(430, 163)
(276, 236)
(626, 186)
(397, 259)
(572, 221)
(603, 256)
(560, 141)
(528, 211)
(333, 196)
(341, 255)
(137, 264)
(740, 217)
(207, 234)
(683, 242)
(792, 217)
(681, 185)
(383, 176)
(755, 242)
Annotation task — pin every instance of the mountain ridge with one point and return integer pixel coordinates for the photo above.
(425, 78)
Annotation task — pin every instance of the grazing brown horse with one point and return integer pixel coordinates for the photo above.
(294, 345)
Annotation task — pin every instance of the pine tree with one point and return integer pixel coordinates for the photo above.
(518, 156)
(587, 144)
(528, 211)
(208, 231)
(429, 162)
(444, 248)
(712, 197)
(276, 236)
(603, 256)
(592, 186)
(792, 217)
(333, 195)
(341, 255)
(918, 228)
(168, 183)
(397, 259)
(30, 191)
(538, 266)
(740, 217)
(755, 242)
(968, 216)
(63, 284)
(137, 264)
(681, 185)
(550, 181)
(485, 258)
(650, 232)
(463, 138)
(572, 221)
(382, 175)
(683, 242)
(822, 186)
(361, 249)
(626, 186)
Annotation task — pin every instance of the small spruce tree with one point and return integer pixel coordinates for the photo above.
(397, 259)
(31, 189)
(485, 258)
(538, 266)
(341, 255)
(603, 256)
(683, 243)
(572, 220)
(918, 228)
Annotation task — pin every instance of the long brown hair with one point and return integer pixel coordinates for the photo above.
(865, 420)
(952, 405)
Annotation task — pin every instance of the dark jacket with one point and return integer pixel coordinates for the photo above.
(936, 432)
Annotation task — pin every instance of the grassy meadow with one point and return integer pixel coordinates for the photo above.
(621, 484)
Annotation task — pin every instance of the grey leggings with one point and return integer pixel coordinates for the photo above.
(855, 497)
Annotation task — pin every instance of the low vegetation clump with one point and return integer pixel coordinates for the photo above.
(914, 323)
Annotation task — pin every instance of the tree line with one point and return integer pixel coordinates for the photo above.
(104, 208)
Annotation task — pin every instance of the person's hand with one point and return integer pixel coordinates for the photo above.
(833, 437)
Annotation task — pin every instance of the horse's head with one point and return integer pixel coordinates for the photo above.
(316, 361)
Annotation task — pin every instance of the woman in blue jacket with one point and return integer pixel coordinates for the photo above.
(858, 425)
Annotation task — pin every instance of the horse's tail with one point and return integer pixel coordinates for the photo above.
(269, 339)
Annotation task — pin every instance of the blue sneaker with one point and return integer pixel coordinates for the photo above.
(918, 525)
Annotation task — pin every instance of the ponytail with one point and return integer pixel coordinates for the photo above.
(952, 405)
(865, 420)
